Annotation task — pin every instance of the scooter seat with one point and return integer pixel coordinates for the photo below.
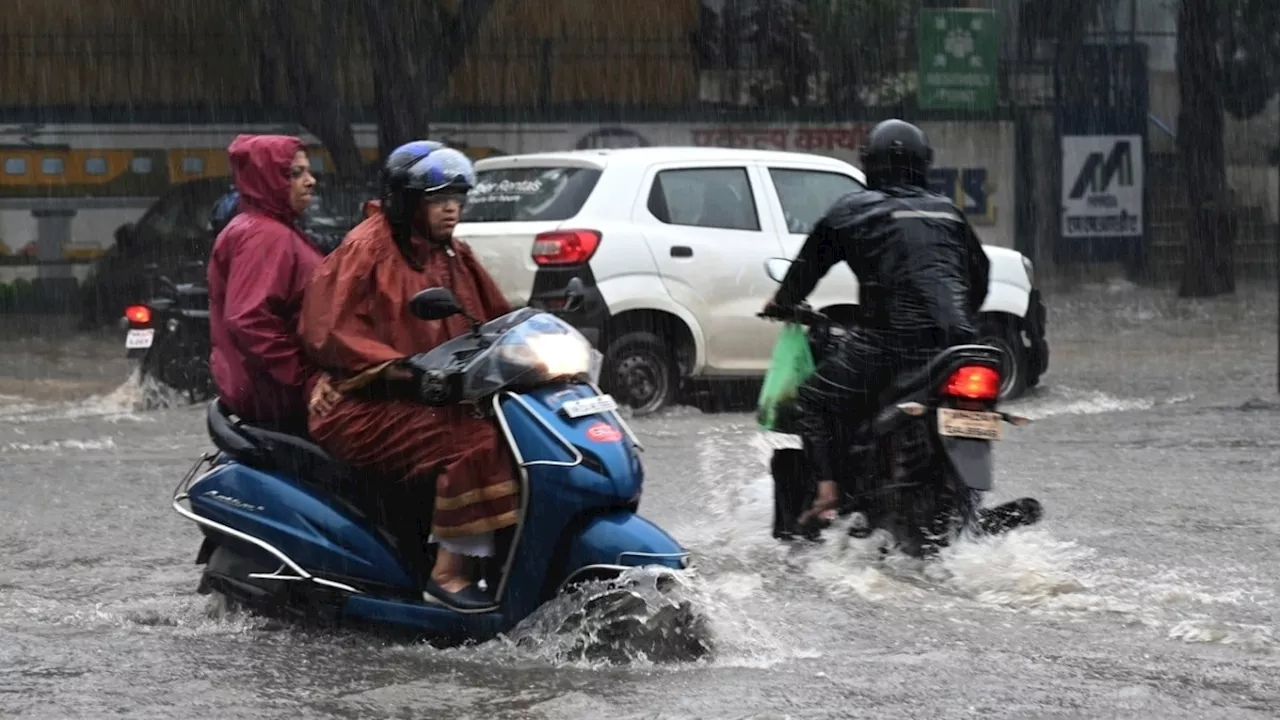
(941, 365)
(395, 510)
(272, 450)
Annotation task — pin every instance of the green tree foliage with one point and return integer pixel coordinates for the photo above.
(789, 53)
(1228, 62)
(864, 47)
(298, 38)
(411, 48)
(414, 48)
(1250, 51)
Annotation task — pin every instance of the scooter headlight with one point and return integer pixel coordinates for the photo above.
(561, 354)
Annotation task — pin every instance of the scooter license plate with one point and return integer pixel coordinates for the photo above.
(139, 339)
(583, 407)
(970, 424)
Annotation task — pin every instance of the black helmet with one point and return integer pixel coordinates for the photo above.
(896, 153)
(415, 169)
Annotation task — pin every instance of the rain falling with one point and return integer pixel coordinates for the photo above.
(624, 359)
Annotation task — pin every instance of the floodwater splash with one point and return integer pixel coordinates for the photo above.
(126, 403)
(1029, 570)
(1060, 400)
(648, 617)
(645, 616)
(1026, 570)
(103, 443)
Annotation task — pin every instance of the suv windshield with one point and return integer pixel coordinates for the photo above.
(529, 194)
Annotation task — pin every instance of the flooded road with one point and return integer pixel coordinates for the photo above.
(1149, 591)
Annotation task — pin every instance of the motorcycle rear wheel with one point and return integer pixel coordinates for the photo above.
(928, 507)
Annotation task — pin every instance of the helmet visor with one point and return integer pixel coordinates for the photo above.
(445, 170)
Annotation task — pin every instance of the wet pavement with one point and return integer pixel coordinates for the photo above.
(1149, 591)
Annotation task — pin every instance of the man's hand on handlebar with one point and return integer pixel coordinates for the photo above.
(801, 313)
(773, 311)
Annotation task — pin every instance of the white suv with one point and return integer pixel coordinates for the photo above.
(671, 243)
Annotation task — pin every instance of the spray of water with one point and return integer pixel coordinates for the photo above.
(645, 616)
(726, 612)
(127, 403)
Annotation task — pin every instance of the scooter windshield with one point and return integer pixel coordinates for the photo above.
(539, 349)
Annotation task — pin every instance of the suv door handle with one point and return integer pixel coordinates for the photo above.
(681, 251)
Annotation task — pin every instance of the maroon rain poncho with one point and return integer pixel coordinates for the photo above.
(260, 264)
(355, 322)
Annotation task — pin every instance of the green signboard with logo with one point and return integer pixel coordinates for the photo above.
(959, 51)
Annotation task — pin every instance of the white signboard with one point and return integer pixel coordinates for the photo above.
(1102, 186)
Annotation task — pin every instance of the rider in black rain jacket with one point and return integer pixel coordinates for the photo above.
(922, 274)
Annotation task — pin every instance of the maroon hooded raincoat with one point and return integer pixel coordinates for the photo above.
(260, 264)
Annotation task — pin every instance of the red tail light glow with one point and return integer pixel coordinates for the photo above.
(973, 382)
(565, 247)
(140, 314)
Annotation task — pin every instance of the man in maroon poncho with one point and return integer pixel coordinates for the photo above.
(259, 266)
(357, 327)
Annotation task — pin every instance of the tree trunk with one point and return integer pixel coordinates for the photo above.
(1208, 269)
(310, 66)
(417, 47)
(1069, 21)
(397, 95)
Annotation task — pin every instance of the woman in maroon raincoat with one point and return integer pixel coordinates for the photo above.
(259, 268)
(357, 327)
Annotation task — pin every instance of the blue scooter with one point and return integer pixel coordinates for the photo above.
(287, 528)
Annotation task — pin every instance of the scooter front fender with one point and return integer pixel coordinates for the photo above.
(620, 540)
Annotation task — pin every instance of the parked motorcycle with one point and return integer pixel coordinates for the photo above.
(169, 334)
(289, 530)
(928, 461)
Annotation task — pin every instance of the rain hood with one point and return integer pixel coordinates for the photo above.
(260, 165)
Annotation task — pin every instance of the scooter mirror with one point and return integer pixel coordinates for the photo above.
(435, 303)
(776, 268)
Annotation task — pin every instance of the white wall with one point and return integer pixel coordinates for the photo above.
(90, 227)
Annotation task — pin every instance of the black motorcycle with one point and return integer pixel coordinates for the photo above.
(919, 468)
(169, 334)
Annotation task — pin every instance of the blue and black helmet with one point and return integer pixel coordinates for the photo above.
(416, 169)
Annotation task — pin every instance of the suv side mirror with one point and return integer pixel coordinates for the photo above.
(776, 268)
(575, 294)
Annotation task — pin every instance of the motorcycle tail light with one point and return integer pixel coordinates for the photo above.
(139, 314)
(973, 382)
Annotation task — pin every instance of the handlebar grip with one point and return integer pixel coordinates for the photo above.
(801, 315)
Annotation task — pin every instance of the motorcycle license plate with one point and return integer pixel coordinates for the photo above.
(970, 424)
(583, 407)
(139, 339)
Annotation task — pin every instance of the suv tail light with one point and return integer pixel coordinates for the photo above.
(140, 314)
(565, 247)
(973, 382)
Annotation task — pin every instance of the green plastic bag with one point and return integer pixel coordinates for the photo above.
(791, 364)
